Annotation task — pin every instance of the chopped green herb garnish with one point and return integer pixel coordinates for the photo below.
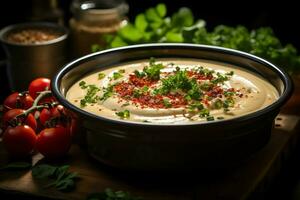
(220, 118)
(101, 76)
(205, 71)
(125, 104)
(231, 73)
(117, 75)
(82, 84)
(122, 71)
(145, 88)
(218, 104)
(123, 114)
(229, 93)
(153, 70)
(210, 118)
(137, 93)
(228, 103)
(206, 86)
(167, 103)
(197, 106)
(204, 113)
(220, 79)
(139, 74)
(108, 92)
(91, 94)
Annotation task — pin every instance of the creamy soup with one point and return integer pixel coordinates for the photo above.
(172, 91)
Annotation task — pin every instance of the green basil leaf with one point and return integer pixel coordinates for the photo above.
(43, 171)
(141, 22)
(184, 17)
(161, 9)
(118, 42)
(174, 37)
(130, 33)
(152, 15)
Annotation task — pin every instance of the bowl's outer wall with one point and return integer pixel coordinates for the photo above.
(157, 147)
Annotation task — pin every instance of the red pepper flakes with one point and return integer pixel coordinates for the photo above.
(198, 76)
(140, 82)
(215, 92)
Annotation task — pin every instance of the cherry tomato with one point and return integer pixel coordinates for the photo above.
(38, 85)
(51, 113)
(16, 100)
(54, 142)
(9, 115)
(19, 141)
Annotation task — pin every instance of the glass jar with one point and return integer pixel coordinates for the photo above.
(92, 19)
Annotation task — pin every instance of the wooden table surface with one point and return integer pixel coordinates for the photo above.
(249, 178)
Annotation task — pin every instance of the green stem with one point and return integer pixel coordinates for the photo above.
(41, 95)
(35, 106)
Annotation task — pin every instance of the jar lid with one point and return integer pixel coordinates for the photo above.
(95, 10)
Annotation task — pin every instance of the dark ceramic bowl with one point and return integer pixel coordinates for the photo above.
(141, 146)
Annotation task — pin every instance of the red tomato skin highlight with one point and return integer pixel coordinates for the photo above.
(54, 142)
(38, 85)
(19, 141)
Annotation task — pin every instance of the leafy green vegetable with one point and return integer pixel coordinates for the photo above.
(16, 166)
(61, 178)
(155, 26)
(123, 114)
(109, 194)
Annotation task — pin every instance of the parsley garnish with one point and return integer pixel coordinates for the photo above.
(108, 92)
(139, 74)
(91, 95)
(117, 75)
(123, 114)
(101, 76)
(210, 118)
(204, 113)
(167, 103)
(153, 70)
(154, 26)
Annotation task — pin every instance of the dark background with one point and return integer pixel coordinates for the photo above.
(282, 16)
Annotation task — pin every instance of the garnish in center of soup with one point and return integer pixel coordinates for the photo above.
(172, 91)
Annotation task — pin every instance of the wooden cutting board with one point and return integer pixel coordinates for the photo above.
(250, 177)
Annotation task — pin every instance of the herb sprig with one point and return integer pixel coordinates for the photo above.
(155, 26)
(61, 178)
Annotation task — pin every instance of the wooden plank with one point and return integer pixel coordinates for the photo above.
(236, 183)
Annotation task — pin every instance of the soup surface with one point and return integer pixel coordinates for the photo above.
(168, 91)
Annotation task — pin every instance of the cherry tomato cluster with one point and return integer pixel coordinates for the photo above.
(34, 121)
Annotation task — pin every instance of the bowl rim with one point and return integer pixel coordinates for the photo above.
(63, 30)
(284, 76)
